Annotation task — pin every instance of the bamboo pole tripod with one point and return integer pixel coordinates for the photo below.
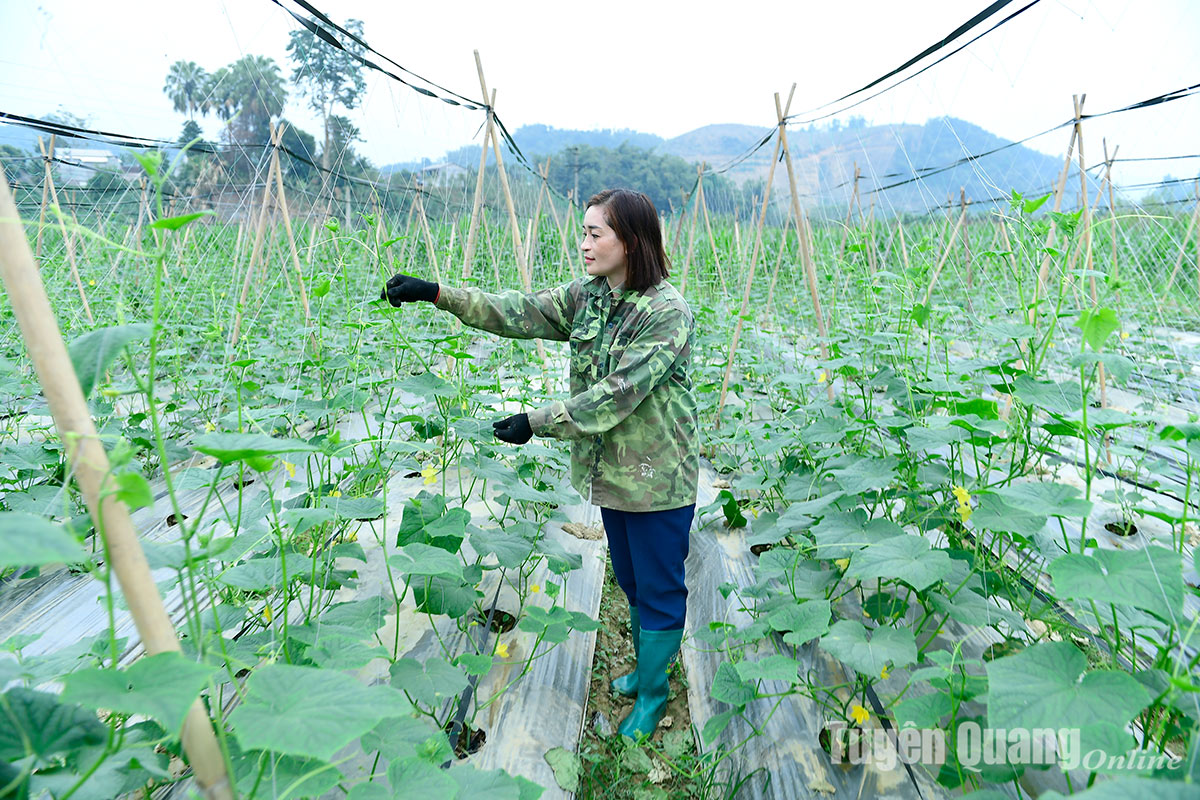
(90, 466)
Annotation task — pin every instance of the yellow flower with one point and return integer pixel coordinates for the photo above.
(92, 282)
(429, 474)
(859, 714)
(842, 563)
(534, 588)
(1124, 334)
(822, 376)
(885, 672)
(336, 493)
(502, 650)
(266, 613)
(964, 512)
(209, 427)
(291, 468)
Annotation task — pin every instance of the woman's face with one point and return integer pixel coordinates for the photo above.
(603, 252)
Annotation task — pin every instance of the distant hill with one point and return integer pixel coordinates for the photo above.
(825, 158)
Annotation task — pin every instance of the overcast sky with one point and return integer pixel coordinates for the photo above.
(660, 67)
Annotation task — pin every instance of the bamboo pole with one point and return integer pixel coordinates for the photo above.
(89, 463)
(1183, 245)
(47, 182)
(67, 241)
(428, 234)
(806, 249)
(966, 240)
(1112, 208)
(687, 261)
(277, 135)
(850, 213)
(530, 240)
(255, 250)
(562, 235)
(477, 203)
(945, 254)
(712, 243)
(1059, 189)
(762, 218)
(679, 222)
(783, 238)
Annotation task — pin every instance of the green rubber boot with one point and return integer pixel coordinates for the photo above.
(654, 657)
(628, 684)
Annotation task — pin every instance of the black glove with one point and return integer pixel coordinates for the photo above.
(514, 429)
(407, 289)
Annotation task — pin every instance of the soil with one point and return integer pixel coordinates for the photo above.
(606, 709)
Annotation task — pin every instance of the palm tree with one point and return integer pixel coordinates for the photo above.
(252, 88)
(185, 86)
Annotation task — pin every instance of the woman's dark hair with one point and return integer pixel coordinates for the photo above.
(633, 218)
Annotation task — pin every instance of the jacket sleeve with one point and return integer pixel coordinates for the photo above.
(546, 314)
(647, 363)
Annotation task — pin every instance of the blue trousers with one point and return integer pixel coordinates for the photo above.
(648, 549)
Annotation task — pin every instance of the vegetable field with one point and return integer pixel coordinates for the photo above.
(971, 503)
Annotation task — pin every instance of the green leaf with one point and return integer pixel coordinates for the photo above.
(728, 686)
(93, 353)
(883, 606)
(175, 223)
(922, 438)
(847, 640)
(772, 668)
(1045, 686)
(27, 540)
(510, 548)
(1149, 578)
(566, 766)
(423, 559)
(417, 779)
(133, 490)
(493, 784)
(716, 725)
(428, 386)
(925, 711)
(1057, 398)
(309, 712)
(161, 686)
(37, 723)
(1126, 788)
(360, 508)
(973, 609)
(840, 534)
(1115, 364)
(801, 623)
(1030, 206)
(867, 474)
(398, 738)
(230, 447)
(429, 683)
(994, 514)
(1097, 324)
(1044, 498)
(442, 595)
(475, 664)
(907, 558)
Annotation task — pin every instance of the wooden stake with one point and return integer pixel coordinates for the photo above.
(962, 203)
(712, 243)
(530, 241)
(679, 222)
(687, 261)
(1112, 208)
(1183, 245)
(277, 138)
(476, 204)
(807, 248)
(849, 213)
(1059, 189)
(518, 250)
(67, 242)
(255, 250)
(737, 329)
(424, 222)
(47, 182)
(89, 464)
(945, 254)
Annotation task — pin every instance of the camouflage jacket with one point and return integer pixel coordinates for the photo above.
(631, 415)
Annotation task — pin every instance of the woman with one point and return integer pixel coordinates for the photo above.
(631, 415)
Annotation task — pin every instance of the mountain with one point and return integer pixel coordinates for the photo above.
(825, 158)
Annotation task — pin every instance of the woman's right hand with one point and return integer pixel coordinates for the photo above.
(402, 288)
